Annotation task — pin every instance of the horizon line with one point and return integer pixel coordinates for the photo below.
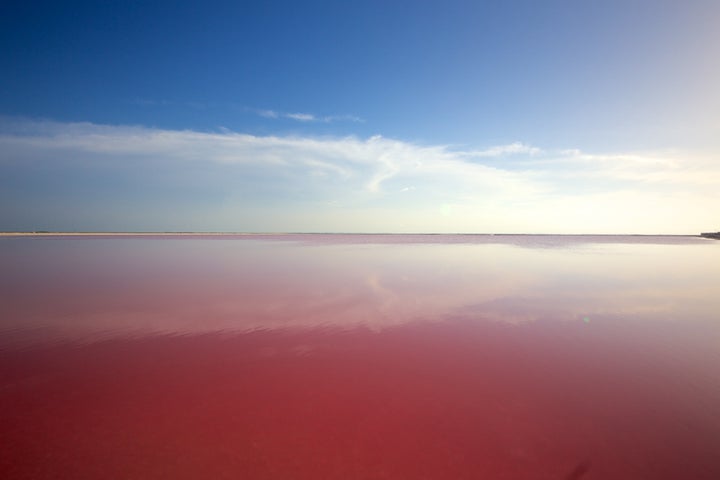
(178, 232)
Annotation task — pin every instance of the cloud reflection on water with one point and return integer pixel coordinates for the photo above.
(184, 286)
(191, 358)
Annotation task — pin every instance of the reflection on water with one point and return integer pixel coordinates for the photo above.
(360, 357)
(85, 287)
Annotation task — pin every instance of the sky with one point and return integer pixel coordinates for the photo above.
(395, 116)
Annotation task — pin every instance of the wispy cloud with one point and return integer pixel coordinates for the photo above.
(342, 118)
(302, 117)
(268, 113)
(288, 182)
(306, 117)
(262, 112)
(516, 148)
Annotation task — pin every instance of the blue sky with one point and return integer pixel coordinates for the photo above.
(459, 116)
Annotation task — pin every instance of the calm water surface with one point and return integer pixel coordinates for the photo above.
(360, 357)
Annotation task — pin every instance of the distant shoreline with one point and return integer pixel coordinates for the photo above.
(168, 234)
(130, 234)
(89, 234)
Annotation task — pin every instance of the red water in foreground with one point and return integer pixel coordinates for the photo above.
(457, 397)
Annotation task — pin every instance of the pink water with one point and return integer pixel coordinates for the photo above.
(367, 357)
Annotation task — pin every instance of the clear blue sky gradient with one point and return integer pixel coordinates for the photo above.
(612, 78)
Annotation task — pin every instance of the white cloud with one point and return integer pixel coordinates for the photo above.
(367, 180)
(342, 118)
(268, 113)
(306, 117)
(302, 117)
(679, 169)
(502, 150)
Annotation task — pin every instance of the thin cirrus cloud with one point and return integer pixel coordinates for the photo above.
(306, 117)
(84, 176)
(501, 150)
(265, 113)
